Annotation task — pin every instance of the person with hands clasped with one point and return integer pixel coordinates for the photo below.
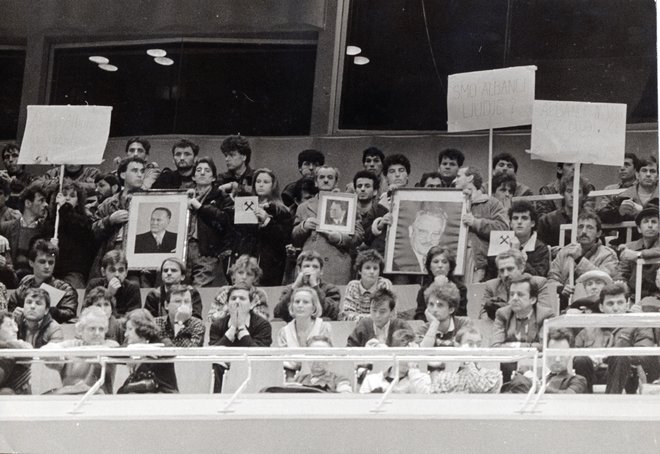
(179, 326)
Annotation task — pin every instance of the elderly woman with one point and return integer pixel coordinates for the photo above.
(141, 328)
(245, 271)
(78, 376)
(440, 266)
(172, 272)
(305, 308)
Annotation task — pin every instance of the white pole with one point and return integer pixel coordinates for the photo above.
(490, 162)
(57, 209)
(574, 220)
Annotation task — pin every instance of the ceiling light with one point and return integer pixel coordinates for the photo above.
(164, 61)
(99, 60)
(360, 60)
(156, 53)
(111, 68)
(353, 50)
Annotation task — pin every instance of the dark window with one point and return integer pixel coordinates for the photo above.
(12, 65)
(212, 88)
(585, 50)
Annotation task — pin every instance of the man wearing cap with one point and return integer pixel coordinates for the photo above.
(647, 226)
(593, 282)
(587, 254)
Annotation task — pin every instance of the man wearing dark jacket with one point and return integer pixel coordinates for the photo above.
(184, 153)
(36, 325)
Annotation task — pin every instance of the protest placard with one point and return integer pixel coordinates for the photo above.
(500, 241)
(65, 135)
(244, 210)
(584, 132)
(497, 98)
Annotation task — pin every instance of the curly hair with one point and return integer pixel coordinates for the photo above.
(144, 324)
(445, 292)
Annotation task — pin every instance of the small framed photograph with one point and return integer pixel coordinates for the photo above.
(337, 212)
(157, 228)
(423, 218)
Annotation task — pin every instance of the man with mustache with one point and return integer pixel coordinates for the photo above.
(588, 254)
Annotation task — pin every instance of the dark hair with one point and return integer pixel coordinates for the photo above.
(506, 157)
(5, 187)
(80, 194)
(31, 191)
(42, 246)
(445, 292)
(396, 159)
(369, 255)
(304, 185)
(144, 142)
(449, 255)
(114, 257)
(567, 182)
(239, 144)
(165, 209)
(123, 166)
(616, 288)
(452, 153)
(428, 175)
(649, 161)
(39, 292)
(506, 180)
(185, 143)
(99, 293)
(560, 334)
(179, 289)
(109, 178)
(313, 156)
(522, 206)
(477, 179)
(403, 338)
(369, 175)
(242, 286)
(275, 195)
(589, 214)
(635, 160)
(145, 325)
(373, 151)
(209, 161)
(9, 147)
(526, 277)
(383, 295)
(309, 255)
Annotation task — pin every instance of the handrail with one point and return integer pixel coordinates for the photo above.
(628, 225)
(592, 195)
(629, 320)
(638, 276)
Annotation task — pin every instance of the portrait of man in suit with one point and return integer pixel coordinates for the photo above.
(336, 214)
(426, 230)
(158, 240)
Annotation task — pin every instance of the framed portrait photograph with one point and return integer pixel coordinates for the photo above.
(423, 218)
(157, 228)
(337, 212)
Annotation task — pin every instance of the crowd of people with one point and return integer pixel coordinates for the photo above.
(326, 276)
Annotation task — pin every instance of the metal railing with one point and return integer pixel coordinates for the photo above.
(106, 356)
(628, 320)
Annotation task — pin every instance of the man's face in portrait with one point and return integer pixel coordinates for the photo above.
(336, 212)
(426, 232)
(160, 219)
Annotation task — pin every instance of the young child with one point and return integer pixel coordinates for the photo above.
(320, 376)
(103, 298)
(469, 378)
(411, 379)
(35, 325)
(442, 326)
(357, 296)
(114, 268)
(179, 326)
(380, 324)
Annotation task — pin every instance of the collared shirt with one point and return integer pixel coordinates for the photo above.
(469, 378)
(381, 333)
(159, 237)
(357, 299)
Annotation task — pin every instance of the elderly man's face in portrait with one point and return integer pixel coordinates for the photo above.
(159, 221)
(426, 232)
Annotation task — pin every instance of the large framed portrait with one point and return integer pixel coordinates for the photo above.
(423, 218)
(337, 212)
(157, 228)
